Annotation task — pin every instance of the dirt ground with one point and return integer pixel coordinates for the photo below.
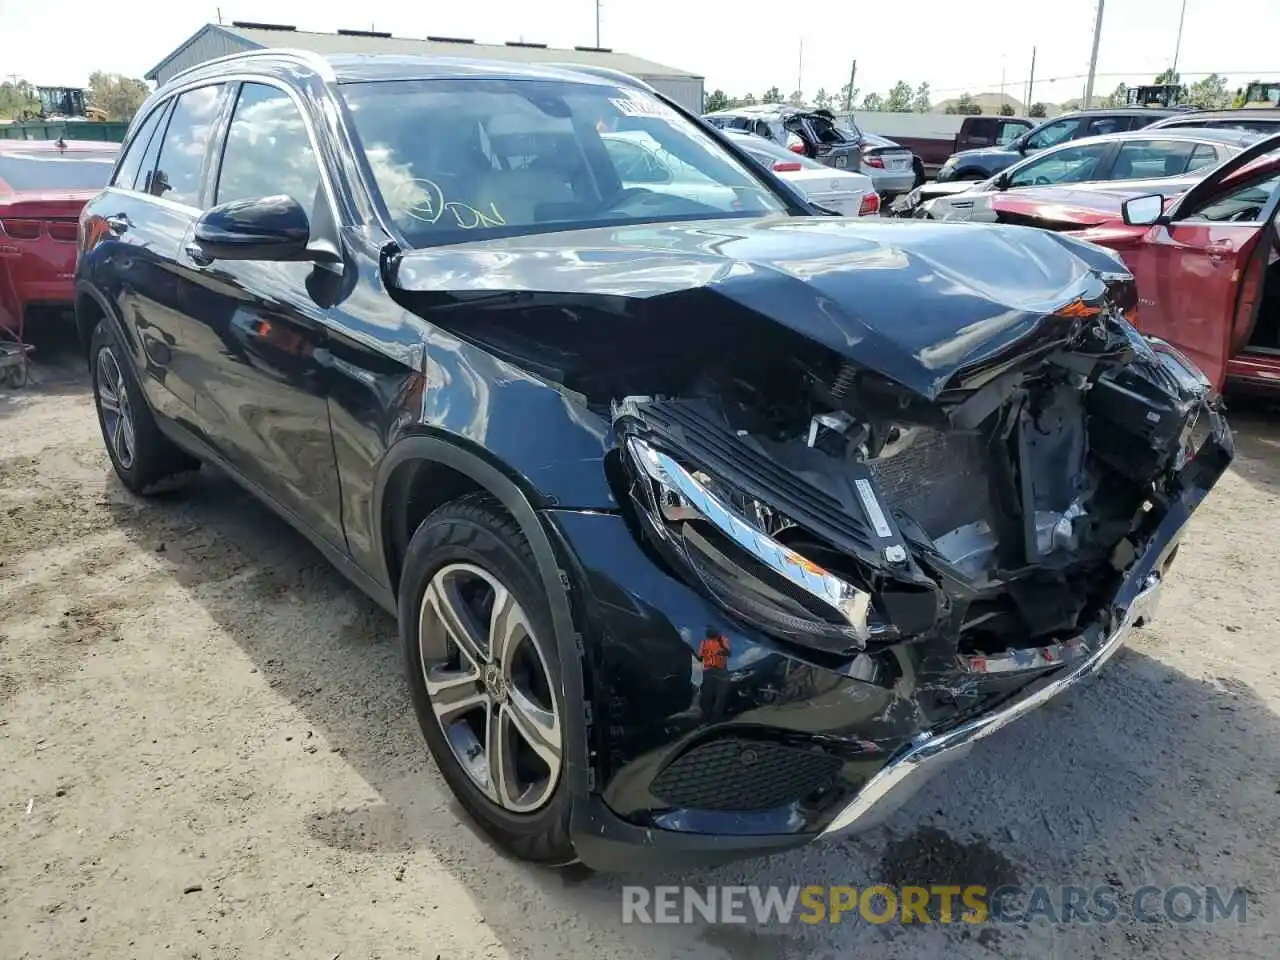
(207, 751)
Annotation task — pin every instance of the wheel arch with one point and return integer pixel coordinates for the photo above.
(459, 471)
(91, 307)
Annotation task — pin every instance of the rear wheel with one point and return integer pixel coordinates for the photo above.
(144, 458)
(484, 674)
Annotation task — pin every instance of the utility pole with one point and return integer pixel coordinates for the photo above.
(800, 67)
(1002, 71)
(597, 23)
(1178, 47)
(1031, 81)
(1093, 57)
(848, 100)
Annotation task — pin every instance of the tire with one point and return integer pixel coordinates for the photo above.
(918, 167)
(144, 459)
(465, 552)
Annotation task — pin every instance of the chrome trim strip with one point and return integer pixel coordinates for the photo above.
(851, 603)
(322, 67)
(928, 752)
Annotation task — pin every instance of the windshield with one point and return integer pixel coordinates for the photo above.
(467, 159)
(51, 171)
(769, 153)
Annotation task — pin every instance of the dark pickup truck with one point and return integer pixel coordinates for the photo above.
(933, 148)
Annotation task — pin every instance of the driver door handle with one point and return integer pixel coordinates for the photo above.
(1220, 251)
(195, 253)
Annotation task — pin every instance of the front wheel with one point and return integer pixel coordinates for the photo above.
(143, 457)
(484, 674)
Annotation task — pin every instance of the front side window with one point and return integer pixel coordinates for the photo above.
(466, 159)
(132, 162)
(186, 141)
(1152, 159)
(1067, 165)
(267, 152)
(1052, 134)
(1245, 203)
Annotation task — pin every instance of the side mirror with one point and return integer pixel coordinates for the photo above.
(1020, 145)
(1143, 211)
(266, 228)
(1001, 182)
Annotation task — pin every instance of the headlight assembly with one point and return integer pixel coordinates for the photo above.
(726, 542)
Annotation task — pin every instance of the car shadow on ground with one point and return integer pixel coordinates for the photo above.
(1096, 789)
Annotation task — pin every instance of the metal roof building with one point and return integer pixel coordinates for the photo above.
(216, 40)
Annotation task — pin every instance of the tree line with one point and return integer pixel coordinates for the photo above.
(903, 98)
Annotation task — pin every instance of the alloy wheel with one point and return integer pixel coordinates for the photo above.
(490, 689)
(113, 402)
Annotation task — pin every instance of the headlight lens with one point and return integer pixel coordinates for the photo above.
(724, 541)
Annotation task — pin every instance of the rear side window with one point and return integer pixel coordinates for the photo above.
(268, 151)
(127, 175)
(1098, 126)
(1010, 132)
(185, 144)
(1151, 159)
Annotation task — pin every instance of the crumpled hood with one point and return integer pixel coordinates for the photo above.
(920, 303)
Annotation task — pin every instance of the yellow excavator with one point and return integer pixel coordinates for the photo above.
(63, 103)
(1259, 95)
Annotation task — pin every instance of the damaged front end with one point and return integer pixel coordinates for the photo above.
(980, 538)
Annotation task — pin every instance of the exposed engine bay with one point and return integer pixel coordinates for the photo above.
(844, 513)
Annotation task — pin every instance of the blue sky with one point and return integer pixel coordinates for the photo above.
(739, 46)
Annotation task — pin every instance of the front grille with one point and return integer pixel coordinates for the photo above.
(733, 773)
(940, 480)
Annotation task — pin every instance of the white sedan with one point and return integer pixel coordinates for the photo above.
(640, 161)
(847, 193)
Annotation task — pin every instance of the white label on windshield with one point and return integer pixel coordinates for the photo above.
(639, 105)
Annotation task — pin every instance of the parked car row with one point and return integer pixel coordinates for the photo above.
(815, 134)
(697, 507)
(1144, 161)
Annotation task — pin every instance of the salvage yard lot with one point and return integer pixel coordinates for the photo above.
(208, 752)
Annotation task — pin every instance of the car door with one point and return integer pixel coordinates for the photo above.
(1190, 269)
(1070, 163)
(259, 329)
(165, 290)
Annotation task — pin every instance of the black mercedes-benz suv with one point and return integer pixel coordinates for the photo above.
(713, 523)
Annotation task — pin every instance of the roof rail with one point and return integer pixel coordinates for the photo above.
(363, 33)
(521, 43)
(251, 25)
(606, 73)
(316, 62)
(595, 49)
(450, 39)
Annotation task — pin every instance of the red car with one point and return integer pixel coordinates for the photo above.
(1207, 260)
(43, 186)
